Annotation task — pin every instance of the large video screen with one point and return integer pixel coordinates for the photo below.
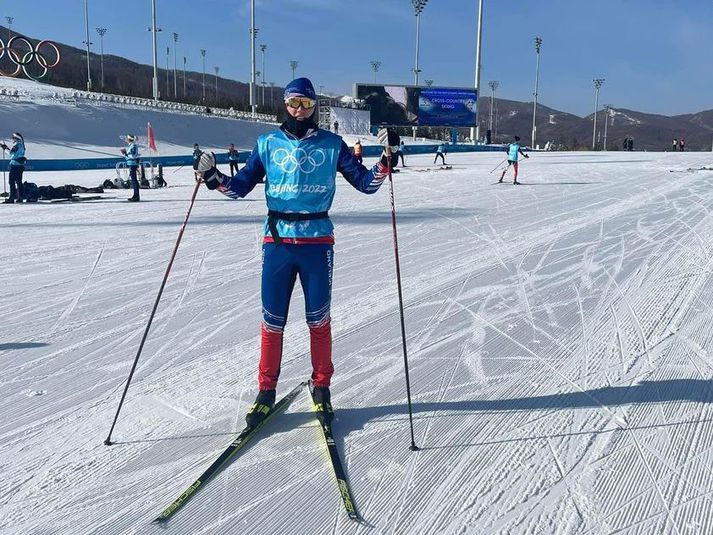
(404, 105)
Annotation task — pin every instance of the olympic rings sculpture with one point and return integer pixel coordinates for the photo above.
(291, 161)
(34, 54)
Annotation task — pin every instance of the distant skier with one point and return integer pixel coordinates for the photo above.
(630, 144)
(514, 150)
(301, 162)
(402, 149)
(131, 155)
(17, 167)
(336, 127)
(681, 144)
(441, 151)
(675, 144)
(233, 159)
(358, 151)
(197, 152)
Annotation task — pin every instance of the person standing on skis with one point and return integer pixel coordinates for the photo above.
(514, 150)
(300, 162)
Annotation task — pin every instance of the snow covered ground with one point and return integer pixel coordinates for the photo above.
(558, 332)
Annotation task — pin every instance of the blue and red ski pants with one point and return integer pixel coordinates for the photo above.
(281, 265)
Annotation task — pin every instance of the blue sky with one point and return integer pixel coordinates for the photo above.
(656, 55)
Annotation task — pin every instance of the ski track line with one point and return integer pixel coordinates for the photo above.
(74, 302)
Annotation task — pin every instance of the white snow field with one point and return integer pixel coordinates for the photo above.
(559, 338)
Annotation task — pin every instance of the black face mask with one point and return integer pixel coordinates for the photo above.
(297, 128)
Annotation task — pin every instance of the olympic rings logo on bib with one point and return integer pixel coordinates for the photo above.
(43, 56)
(291, 161)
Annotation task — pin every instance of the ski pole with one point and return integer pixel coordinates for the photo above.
(413, 446)
(108, 441)
(505, 160)
(4, 182)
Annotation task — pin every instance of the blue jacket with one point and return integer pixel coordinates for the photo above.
(17, 153)
(132, 155)
(301, 178)
(513, 151)
(441, 149)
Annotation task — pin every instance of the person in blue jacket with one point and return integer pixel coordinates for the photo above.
(514, 150)
(300, 162)
(233, 159)
(440, 151)
(131, 155)
(17, 167)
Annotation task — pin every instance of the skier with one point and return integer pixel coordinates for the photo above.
(514, 150)
(440, 151)
(232, 159)
(675, 144)
(17, 167)
(131, 155)
(300, 161)
(400, 154)
(358, 151)
(681, 144)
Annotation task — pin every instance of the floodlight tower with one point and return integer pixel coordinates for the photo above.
(538, 45)
(493, 87)
(203, 52)
(87, 42)
(153, 29)
(597, 85)
(101, 32)
(375, 67)
(293, 66)
(263, 47)
(418, 6)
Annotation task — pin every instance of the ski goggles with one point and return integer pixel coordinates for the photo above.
(306, 102)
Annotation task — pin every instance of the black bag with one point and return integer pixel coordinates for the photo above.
(30, 191)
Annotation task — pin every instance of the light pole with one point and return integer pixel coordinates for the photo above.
(175, 59)
(607, 107)
(184, 77)
(217, 70)
(475, 132)
(203, 56)
(153, 31)
(418, 6)
(87, 42)
(101, 32)
(493, 87)
(263, 47)
(429, 83)
(9, 27)
(375, 67)
(293, 66)
(538, 44)
(272, 86)
(597, 84)
(168, 76)
(253, 36)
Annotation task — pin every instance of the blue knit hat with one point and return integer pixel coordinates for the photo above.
(300, 87)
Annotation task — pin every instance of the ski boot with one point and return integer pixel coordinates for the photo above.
(263, 404)
(323, 405)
